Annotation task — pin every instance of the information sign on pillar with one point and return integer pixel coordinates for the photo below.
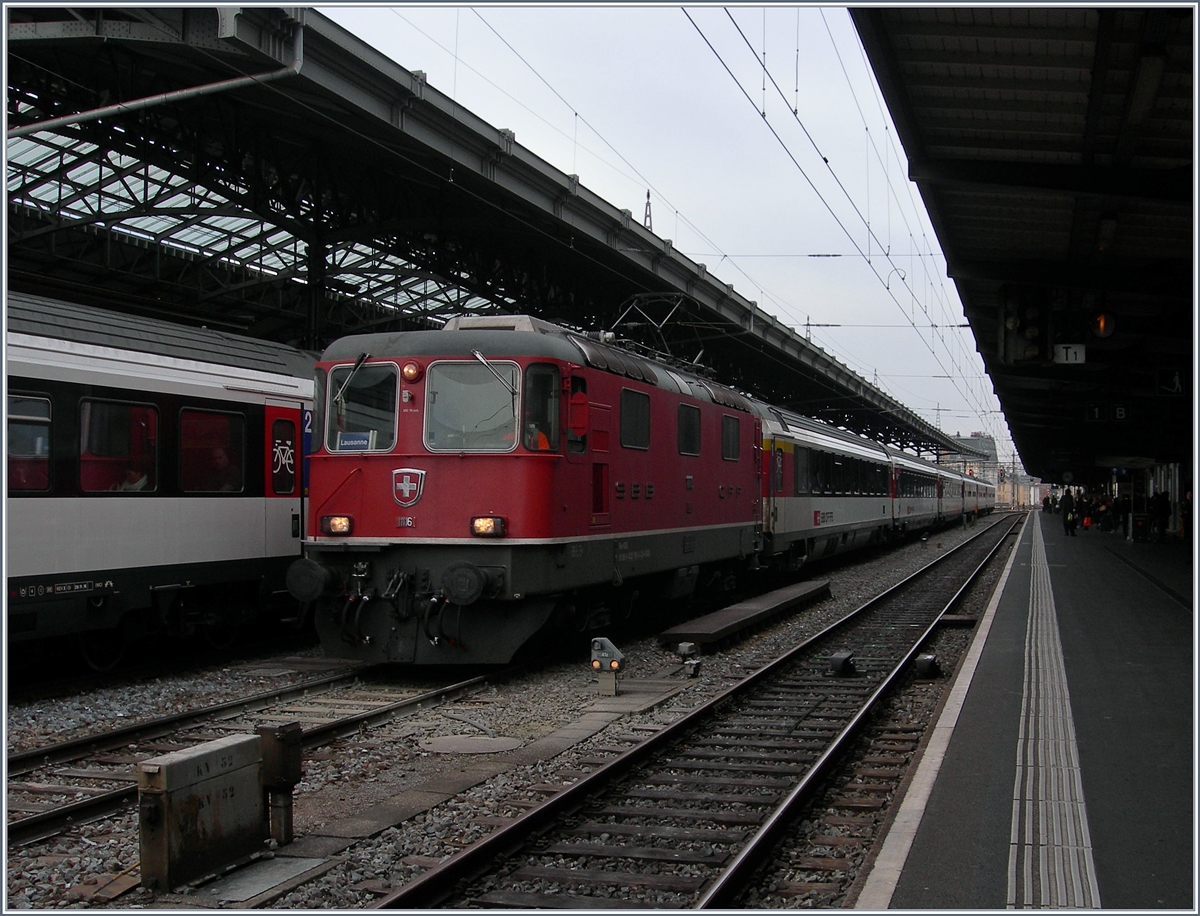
(1070, 354)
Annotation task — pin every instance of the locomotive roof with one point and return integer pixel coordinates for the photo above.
(491, 343)
(52, 318)
(526, 336)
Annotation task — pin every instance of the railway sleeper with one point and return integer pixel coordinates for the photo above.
(642, 853)
(731, 782)
(696, 758)
(525, 900)
(686, 834)
(715, 764)
(598, 877)
(716, 798)
(716, 816)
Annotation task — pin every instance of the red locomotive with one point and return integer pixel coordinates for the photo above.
(474, 487)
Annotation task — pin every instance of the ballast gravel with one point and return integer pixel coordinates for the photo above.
(74, 869)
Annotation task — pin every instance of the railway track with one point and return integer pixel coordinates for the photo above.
(50, 788)
(685, 817)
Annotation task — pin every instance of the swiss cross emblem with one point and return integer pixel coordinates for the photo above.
(407, 485)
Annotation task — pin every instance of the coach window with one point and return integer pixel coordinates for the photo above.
(362, 410)
(28, 443)
(822, 468)
(689, 429)
(212, 453)
(283, 457)
(118, 446)
(731, 440)
(543, 387)
(800, 470)
(635, 419)
(471, 406)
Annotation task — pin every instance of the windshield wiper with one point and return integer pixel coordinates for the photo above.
(362, 358)
(512, 389)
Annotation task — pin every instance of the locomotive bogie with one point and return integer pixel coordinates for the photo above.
(402, 582)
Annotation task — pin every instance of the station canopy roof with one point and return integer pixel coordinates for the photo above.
(261, 170)
(1054, 150)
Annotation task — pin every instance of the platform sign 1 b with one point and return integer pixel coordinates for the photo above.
(1106, 412)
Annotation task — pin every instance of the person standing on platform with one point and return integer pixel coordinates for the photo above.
(1124, 509)
(1185, 516)
(1162, 513)
(1068, 513)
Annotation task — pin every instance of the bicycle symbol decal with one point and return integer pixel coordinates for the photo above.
(283, 457)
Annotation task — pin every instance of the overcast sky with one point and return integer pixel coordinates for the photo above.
(805, 210)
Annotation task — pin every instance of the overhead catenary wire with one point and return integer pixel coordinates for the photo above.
(849, 198)
(763, 291)
(942, 302)
(641, 178)
(943, 299)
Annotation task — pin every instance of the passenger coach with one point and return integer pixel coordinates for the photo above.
(154, 476)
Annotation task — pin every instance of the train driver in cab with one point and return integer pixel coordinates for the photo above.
(536, 439)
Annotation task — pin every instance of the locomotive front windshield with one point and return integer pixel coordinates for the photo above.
(362, 409)
(471, 406)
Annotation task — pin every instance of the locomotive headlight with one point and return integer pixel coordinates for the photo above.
(487, 526)
(336, 524)
(411, 371)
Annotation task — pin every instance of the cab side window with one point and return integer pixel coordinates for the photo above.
(731, 442)
(635, 419)
(689, 429)
(543, 388)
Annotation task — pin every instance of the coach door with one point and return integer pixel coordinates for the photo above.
(772, 484)
(282, 486)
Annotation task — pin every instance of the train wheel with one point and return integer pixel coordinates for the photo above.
(27, 656)
(220, 632)
(102, 650)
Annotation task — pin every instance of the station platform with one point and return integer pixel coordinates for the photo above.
(1060, 772)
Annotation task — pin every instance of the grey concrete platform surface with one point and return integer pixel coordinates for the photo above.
(1061, 772)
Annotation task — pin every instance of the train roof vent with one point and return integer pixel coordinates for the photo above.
(726, 397)
(501, 323)
(616, 361)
